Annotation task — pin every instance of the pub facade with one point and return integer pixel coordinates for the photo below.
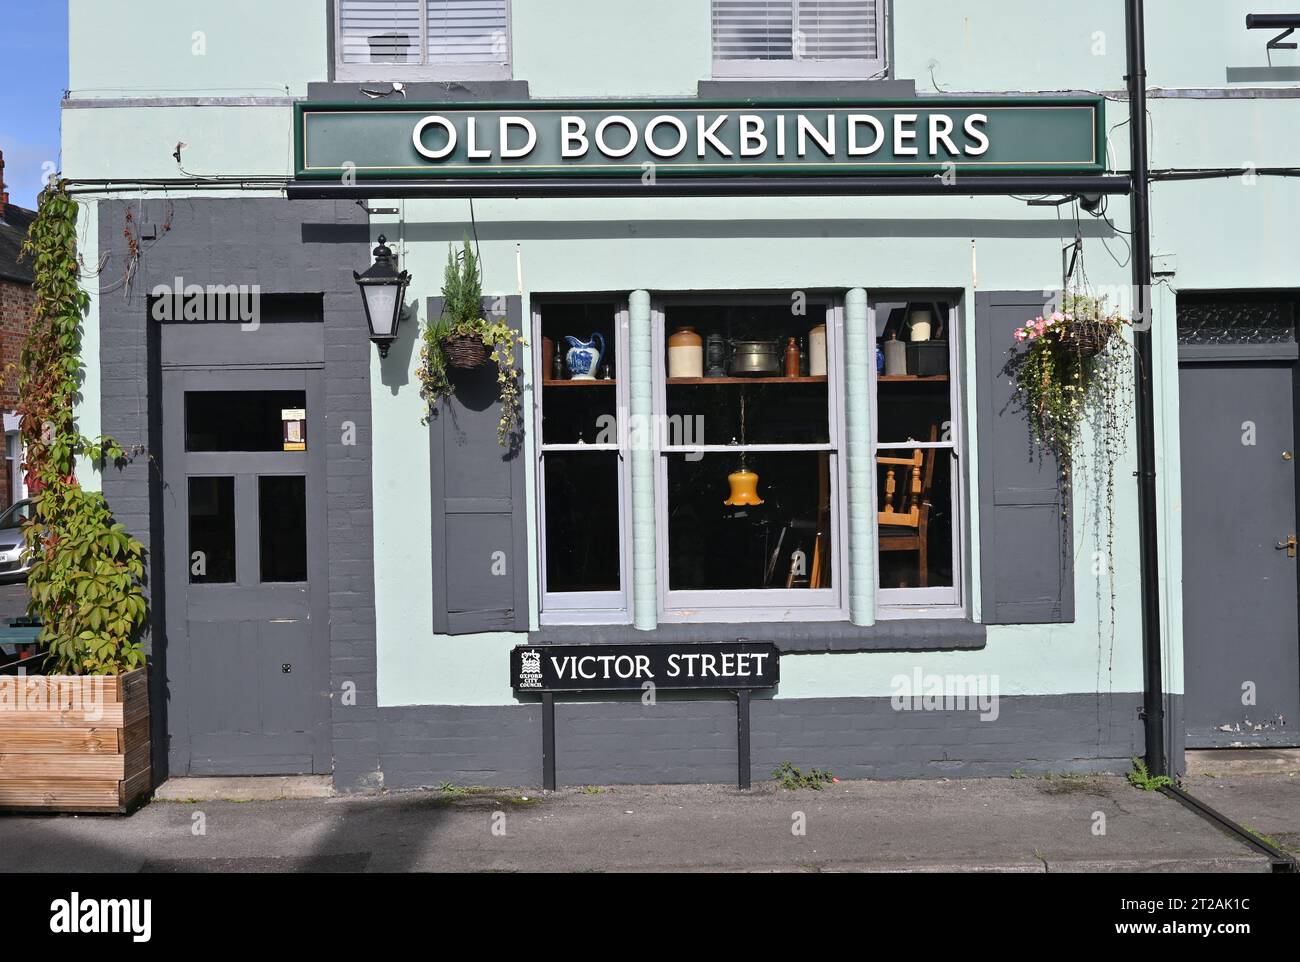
(768, 493)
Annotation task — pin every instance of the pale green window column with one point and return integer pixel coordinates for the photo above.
(859, 354)
(645, 599)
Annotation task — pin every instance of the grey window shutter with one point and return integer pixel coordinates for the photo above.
(479, 510)
(1026, 550)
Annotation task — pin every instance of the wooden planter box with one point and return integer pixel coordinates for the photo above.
(73, 743)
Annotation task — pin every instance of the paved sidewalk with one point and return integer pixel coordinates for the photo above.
(1018, 825)
(1265, 804)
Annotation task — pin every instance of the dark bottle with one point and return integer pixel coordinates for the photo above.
(557, 367)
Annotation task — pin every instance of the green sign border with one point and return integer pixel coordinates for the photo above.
(304, 107)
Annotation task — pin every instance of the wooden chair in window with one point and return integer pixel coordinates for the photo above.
(907, 527)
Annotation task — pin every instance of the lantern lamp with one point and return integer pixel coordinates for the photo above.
(383, 289)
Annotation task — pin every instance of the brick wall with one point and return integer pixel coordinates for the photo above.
(16, 304)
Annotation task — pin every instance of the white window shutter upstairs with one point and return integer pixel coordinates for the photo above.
(796, 30)
(468, 31)
(379, 31)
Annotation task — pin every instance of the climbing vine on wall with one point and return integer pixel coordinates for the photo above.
(87, 570)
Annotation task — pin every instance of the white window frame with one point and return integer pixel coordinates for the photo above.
(380, 72)
(795, 69)
(934, 602)
(585, 607)
(765, 604)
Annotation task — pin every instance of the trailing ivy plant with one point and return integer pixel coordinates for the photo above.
(462, 317)
(87, 571)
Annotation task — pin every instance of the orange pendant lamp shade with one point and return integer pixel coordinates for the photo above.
(744, 488)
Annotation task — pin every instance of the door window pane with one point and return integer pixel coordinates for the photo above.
(238, 420)
(282, 524)
(582, 521)
(784, 542)
(212, 530)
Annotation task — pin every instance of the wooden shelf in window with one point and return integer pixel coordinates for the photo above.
(819, 379)
(597, 383)
(910, 378)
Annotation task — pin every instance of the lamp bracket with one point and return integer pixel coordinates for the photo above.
(376, 210)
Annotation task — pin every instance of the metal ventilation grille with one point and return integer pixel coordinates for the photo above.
(1235, 320)
(379, 31)
(796, 30)
(468, 31)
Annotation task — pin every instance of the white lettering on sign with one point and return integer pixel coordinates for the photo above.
(503, 135)
(654, 125)
(858, 120)
(672, 136)
(574, 137)
(705, 136)
(620, 121)
(977, 135)
(904, 134)
(753, 142)
(592, 667)
(418, 137)
(637, 667)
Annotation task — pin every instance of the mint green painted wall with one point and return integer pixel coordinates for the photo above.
(737, 244)
(1218, 234)
(598, 48)
(1032, 45)
(133, 141)
(149, 48)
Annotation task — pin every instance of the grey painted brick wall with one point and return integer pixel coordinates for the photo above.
(694, 740)
(284, 247)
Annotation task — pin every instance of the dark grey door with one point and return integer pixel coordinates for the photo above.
(1241, 638)
(246, 576)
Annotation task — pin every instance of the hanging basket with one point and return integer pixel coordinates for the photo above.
(1089, 338)
(464, 351)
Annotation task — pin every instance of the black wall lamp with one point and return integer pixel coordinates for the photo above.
(383, 290)
(1286, 22)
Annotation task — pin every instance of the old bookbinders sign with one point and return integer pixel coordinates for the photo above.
(687, 138)
(740, 665)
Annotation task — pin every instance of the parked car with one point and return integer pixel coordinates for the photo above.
(13, 566)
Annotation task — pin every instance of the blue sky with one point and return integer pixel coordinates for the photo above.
(33, 75)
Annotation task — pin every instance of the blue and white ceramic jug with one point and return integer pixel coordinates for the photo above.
(584, 356)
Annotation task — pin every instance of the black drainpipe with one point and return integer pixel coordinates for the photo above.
(1153, 711)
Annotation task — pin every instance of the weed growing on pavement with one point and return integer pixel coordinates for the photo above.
(787, 776)
(1141, 778)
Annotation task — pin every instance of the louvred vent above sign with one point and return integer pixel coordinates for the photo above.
(395, 31)
(796, 29)
(467, 31)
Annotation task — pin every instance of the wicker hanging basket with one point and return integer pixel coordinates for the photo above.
(1089, 338)
(464, 351)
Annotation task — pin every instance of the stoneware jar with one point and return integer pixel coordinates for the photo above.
(584, 357)
(817, 351)
(895, 357)
(918, 323)
(685, 353)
